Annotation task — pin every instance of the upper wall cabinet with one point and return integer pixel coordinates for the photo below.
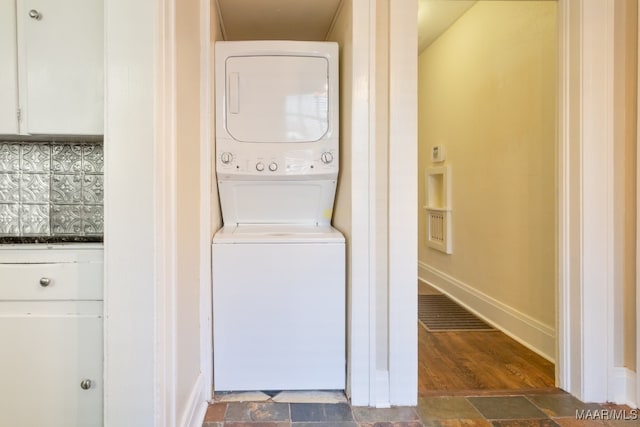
(59, 66)
(9, 69)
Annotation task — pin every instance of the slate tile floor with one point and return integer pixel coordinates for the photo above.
(552, 408)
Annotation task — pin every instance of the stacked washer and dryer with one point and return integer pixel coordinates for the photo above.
(278, 264)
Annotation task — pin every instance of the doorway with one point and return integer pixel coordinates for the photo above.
(487, 114)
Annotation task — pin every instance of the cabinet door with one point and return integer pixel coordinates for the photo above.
(43, 361)
(9, 69)
(60, 63)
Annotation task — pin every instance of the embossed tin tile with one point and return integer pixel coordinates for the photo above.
(66, 158)
(34, 220)
(92, 220)
(51, 188)
(34, 187)
(9, 157)
(9, 219)
(9, 187)
(35, 157)
(66, 219)
(66, 189)
(93, 189)
(92, 158)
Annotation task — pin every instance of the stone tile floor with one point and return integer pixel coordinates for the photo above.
(554, 408)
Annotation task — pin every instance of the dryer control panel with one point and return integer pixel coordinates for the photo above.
(237, 160)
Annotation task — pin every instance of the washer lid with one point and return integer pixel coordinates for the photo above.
(277, 233)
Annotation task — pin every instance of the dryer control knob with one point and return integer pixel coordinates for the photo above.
(259, 166)
(273, 166)
(326, 157)
(226, 158)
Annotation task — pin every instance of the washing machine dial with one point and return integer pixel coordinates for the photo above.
(273, 166)
(326, 157)
(226, 158)
(259, 166)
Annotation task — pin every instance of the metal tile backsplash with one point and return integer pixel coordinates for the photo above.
(51, 189)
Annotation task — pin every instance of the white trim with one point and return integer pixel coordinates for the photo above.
(206, 333)
(528, 331)
(623, 386)
(403, 202)
(381, 389)
(585, 217)
(165, 215)
(596, 196)
(134, 104)
(359, 329)
(378, 394)
(196, 406)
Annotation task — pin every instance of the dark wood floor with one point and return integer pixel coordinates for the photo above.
(459, 362)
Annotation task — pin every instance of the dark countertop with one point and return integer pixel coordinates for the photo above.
(50, 239)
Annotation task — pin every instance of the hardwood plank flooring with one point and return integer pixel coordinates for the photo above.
(457, 362)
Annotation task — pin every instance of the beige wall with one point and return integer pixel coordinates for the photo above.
(487, 93)
(188, 201)
(341, 33)
(625, 122)
(216, 34)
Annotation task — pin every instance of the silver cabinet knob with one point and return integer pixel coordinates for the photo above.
(45, 281)
(85, 384)
(34, 14)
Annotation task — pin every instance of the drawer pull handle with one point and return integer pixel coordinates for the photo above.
(45, 281)
(86, 384)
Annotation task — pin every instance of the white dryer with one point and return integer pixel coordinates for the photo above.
(278, 265)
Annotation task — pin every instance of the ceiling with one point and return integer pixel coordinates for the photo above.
(435, 16)
(312, 19)
(277, 19)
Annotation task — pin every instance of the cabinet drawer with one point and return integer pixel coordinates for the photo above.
(54, 281)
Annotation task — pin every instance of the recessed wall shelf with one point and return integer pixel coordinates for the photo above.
(438, 207)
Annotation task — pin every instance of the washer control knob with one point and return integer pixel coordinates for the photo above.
(326, 157)
(259, 166)
(273, 166)
(226, 158)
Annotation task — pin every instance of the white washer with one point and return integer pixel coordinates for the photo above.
(278, 265)
(279, 308)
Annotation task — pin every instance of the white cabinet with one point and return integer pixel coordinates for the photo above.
(9, 69)
(60, 56)
(51, 334)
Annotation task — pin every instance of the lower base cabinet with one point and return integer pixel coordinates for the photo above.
(51, 357)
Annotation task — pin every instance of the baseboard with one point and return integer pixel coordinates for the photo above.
(531, 333)
(382, 389)
(196, 407)
(623, 387)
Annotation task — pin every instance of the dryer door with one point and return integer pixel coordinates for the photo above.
(277, 98)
